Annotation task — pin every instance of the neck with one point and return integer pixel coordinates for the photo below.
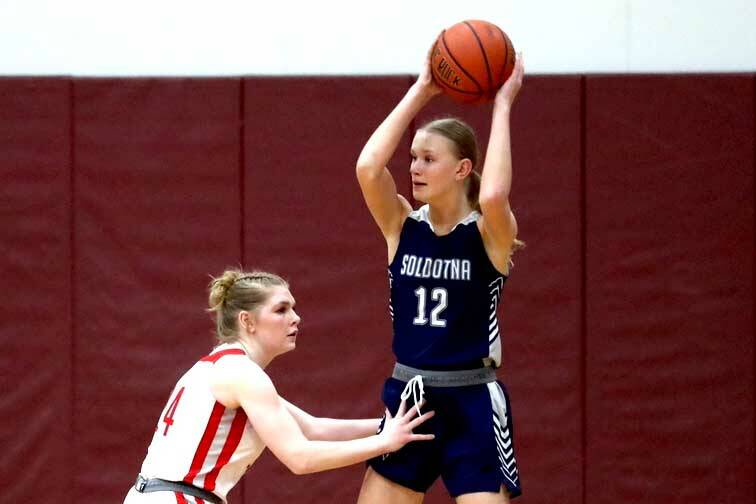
(254, 352)
(447, 213)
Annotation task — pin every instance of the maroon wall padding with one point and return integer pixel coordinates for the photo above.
(670, 379)
(541, 348)
(628, 320)
(35, 327)
(157, 202)
(305, 219)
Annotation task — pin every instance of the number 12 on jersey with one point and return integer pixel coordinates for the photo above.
(440, 296)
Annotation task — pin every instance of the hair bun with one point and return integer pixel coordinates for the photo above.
(219, 288)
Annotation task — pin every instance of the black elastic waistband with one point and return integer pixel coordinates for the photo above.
(147, 485)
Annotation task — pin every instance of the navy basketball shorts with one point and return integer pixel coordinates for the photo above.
(473, 449)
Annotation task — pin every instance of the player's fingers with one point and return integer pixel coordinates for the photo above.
(421, 419)
(414, 410)
(402, 408)
(520, 65)
(423, 437)
(429, 56)
(388, 415)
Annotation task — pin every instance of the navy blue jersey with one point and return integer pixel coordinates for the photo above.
(444, 294)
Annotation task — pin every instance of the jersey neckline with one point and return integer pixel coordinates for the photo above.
(422, 214)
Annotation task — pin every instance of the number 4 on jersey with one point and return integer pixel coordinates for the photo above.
(168, 418)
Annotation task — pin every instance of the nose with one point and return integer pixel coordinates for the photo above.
(296, 319)
(414, 167)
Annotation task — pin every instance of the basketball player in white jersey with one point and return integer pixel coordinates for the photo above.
(225, 410)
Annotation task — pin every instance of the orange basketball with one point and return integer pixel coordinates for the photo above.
(471, 60)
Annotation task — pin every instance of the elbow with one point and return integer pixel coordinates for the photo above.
(367, 166)
(364, 170)
(367, 175)
(298, 461)
(363, 164)
(493, 200)
(297, 464)
(298, 468)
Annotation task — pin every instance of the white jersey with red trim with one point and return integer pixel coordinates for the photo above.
(199, 441)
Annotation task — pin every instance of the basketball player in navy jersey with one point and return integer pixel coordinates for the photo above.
(448, 261)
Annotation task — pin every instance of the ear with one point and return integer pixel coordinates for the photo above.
(463, 169)
(246, 321)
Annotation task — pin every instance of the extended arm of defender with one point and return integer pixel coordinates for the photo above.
(237, 382)
(332, 429)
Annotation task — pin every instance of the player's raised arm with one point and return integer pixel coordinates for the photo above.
(498, 225)
(377, 185)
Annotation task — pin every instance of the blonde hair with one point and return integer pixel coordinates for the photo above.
(465, 143)
(234, 291)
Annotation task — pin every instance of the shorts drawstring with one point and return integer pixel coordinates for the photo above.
(414, 387)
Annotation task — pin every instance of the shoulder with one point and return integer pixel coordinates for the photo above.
(238, 367)
(420, 215)
(234, 376)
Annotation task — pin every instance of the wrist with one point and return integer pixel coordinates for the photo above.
(502, 107)
(422, 92)
(383, 444)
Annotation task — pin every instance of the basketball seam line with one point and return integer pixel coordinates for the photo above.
(448, 51)
(485, 56)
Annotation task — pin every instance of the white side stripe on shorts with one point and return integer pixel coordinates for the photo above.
(502, 435)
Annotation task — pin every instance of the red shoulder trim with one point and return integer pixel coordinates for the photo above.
(217, 355)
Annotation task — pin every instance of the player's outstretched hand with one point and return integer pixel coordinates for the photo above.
(397, 430)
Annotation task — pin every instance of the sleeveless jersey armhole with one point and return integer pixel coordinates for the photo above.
(488, 257)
